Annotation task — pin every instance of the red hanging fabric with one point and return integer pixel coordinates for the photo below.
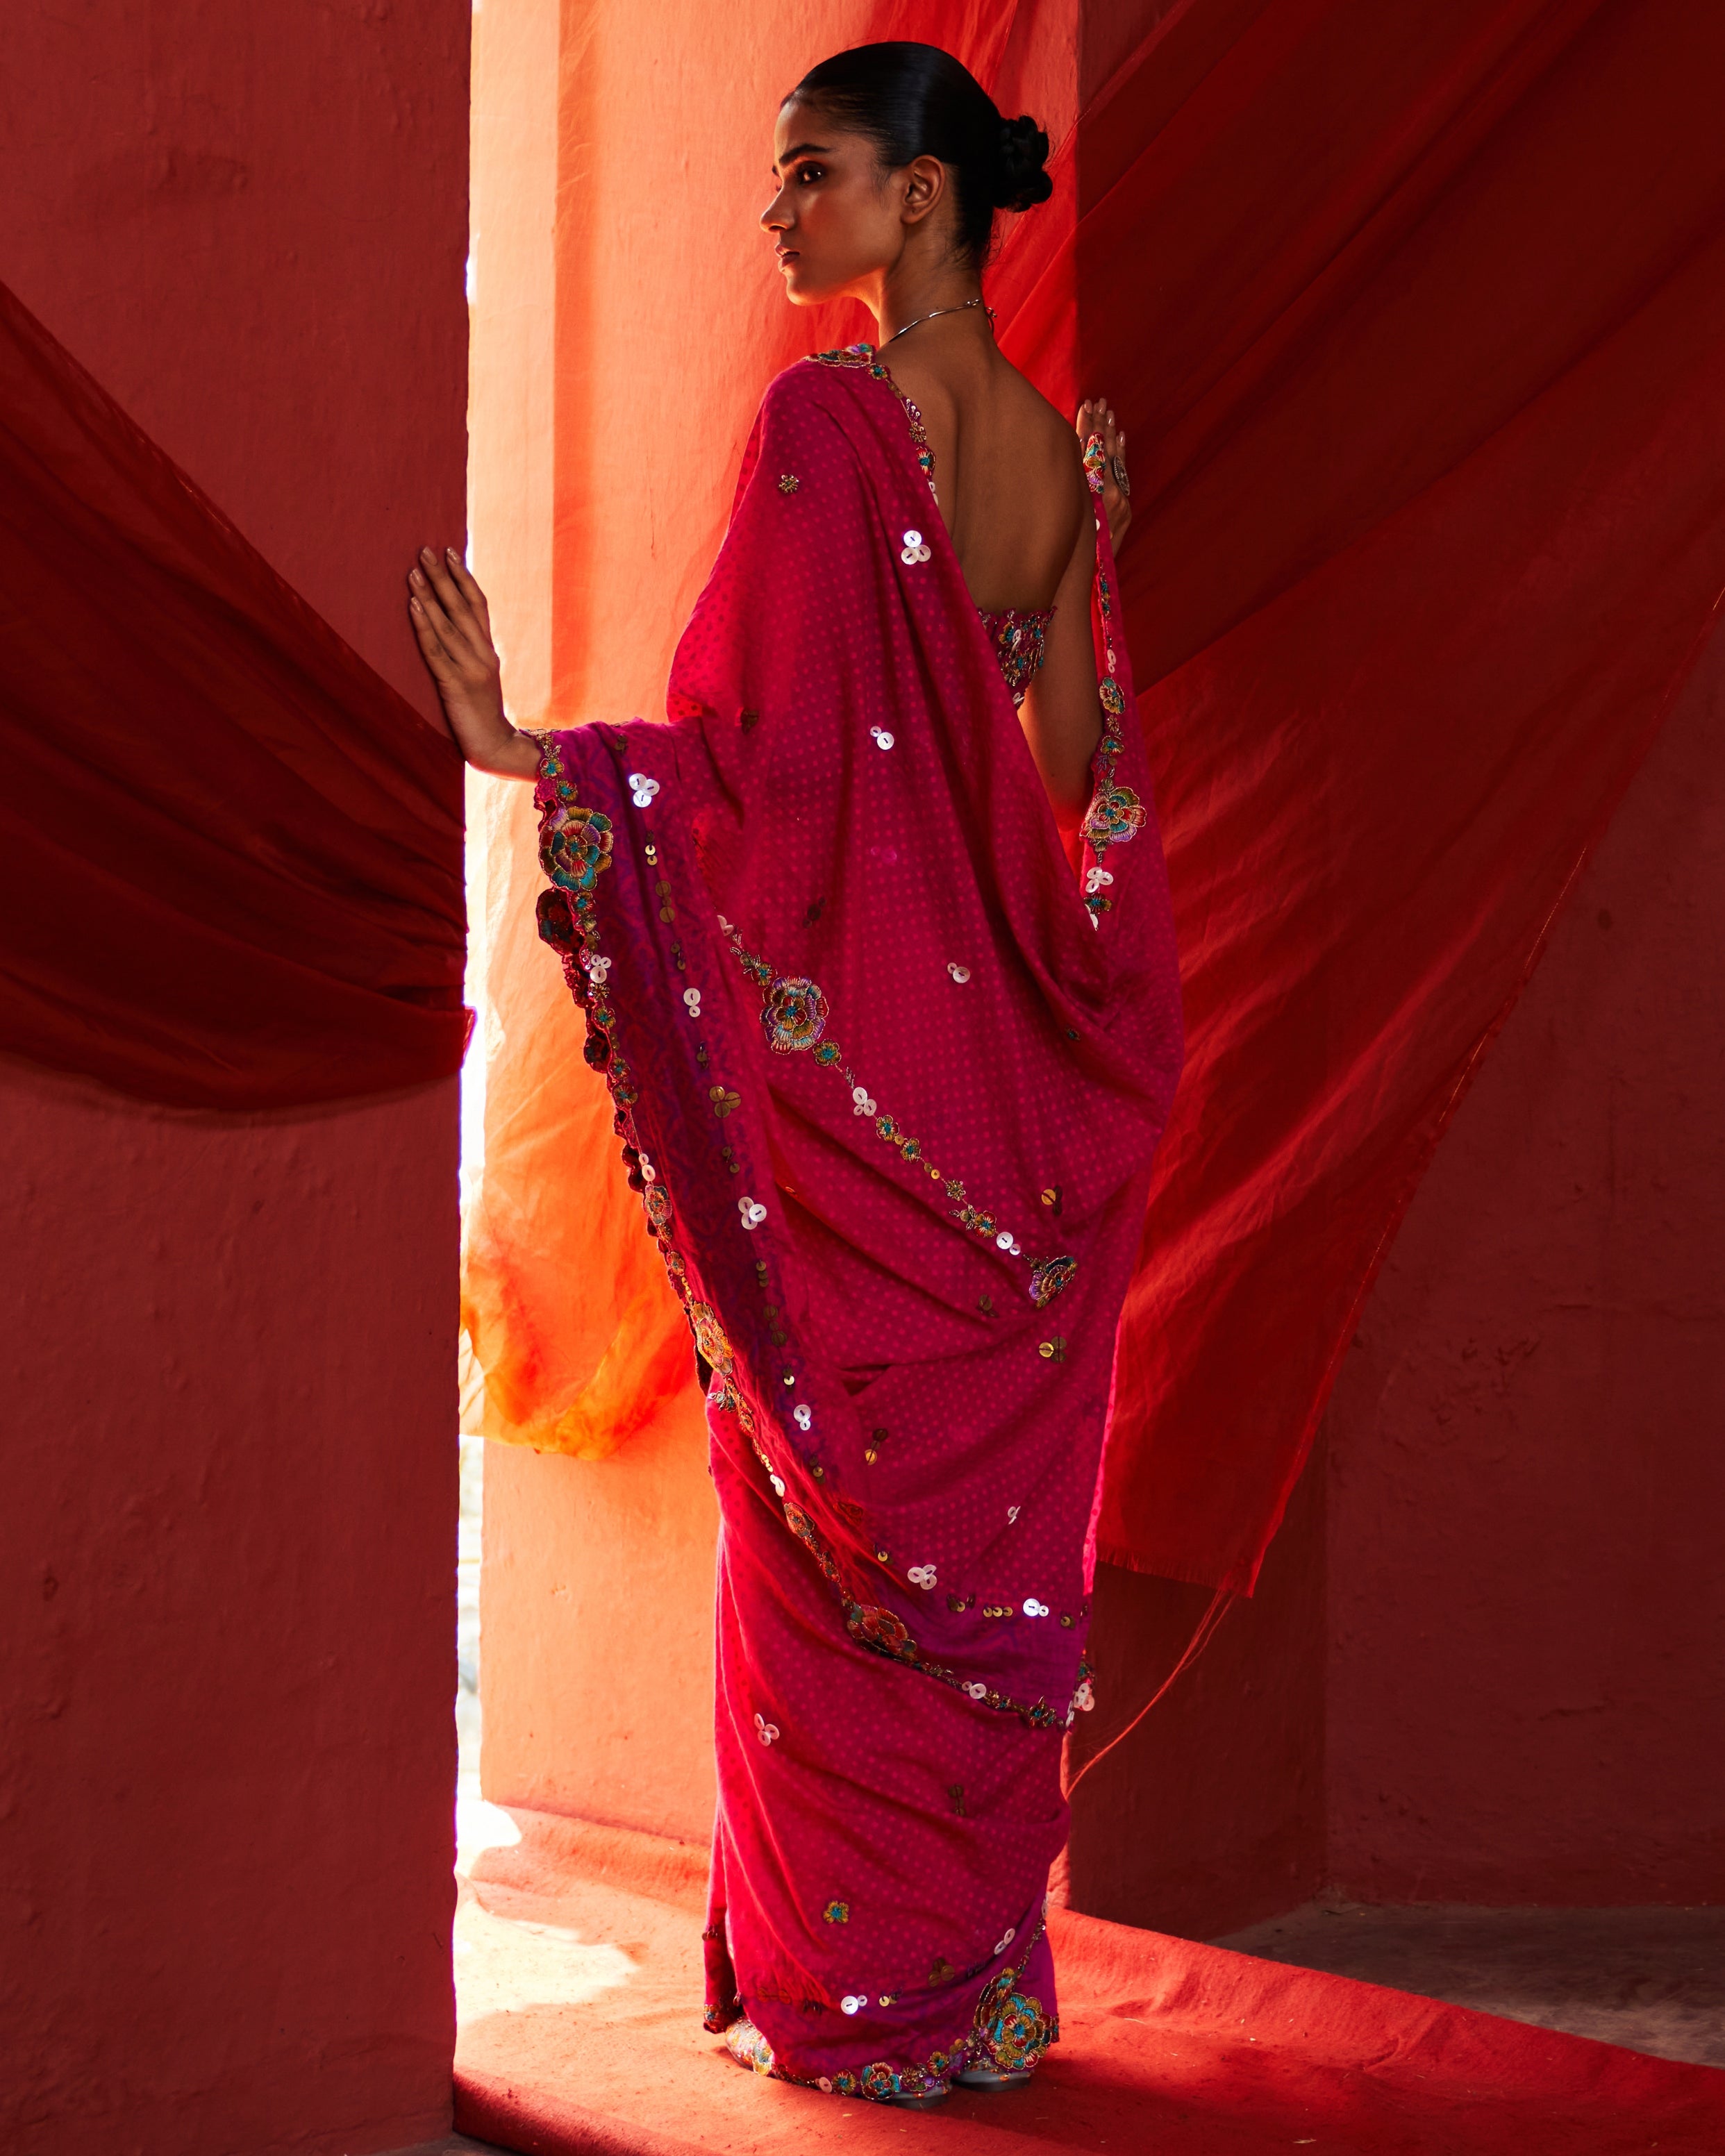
(230, 854)
(1419, 316)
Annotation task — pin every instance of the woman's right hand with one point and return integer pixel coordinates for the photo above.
(453, 624)
(1095, 418)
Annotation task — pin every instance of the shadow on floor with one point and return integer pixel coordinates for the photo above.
(1650, 1980)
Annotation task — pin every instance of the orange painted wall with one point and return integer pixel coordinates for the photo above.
(227, 1543)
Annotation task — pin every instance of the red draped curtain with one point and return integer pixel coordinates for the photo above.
(230, 853)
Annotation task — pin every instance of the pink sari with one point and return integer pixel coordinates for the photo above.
(888, 1078)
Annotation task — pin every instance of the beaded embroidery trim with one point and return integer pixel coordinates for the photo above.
(1116, 814)
(865, 354)
(1010, 2032)
(576, 848)
(793, 1013)
(1019, 636)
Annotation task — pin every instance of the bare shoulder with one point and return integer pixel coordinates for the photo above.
(1044, 428)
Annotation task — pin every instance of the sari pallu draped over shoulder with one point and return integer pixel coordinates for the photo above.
(889, 1079)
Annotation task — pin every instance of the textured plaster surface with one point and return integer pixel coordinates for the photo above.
(1652, 1980)
(227, 1549)
(1526, 1674)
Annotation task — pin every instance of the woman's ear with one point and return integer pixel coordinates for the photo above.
(925, 189)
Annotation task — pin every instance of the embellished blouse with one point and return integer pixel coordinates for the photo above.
(1019, 636)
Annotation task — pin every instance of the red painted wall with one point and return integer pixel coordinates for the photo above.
(1210, 1814)
(228, 1542)
(1526, 1662)
(1486, 1658)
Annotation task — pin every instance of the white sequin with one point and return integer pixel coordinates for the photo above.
(865, 1105)
(754, 1213)
(961, 974)
(765, 1730)
(914, 550)
(978, 1691)
(921, 1575)
(1094, 879)
(852, 2002)
(1033, 1608)
(691, 997)
(802, 1416)
(880, 736)
(642, 788)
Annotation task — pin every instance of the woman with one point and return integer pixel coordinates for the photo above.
(873, 943)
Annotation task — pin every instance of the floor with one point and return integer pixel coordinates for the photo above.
(453, 2144)
(1650, 1980)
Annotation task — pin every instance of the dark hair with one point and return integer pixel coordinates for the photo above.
(918, 101)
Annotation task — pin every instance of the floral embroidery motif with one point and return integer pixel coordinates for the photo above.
(1009, 2034)
(789, 482)
(794, 1014)
(837, 1912)
(1019, 636)
(710, 1339)
(1116, 814)
(796, 1008)
(1012, 2026)
(1048, 1279)
(865, 354)
(881, 1629)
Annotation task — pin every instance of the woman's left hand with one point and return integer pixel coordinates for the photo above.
(1095, 418)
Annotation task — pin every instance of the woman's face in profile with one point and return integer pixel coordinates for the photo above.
(836, 218)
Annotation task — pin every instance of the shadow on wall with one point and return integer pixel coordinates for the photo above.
(1482, 1664)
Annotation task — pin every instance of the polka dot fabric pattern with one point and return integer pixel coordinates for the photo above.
(890, 1080)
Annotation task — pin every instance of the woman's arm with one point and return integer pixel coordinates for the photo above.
(453, 624)
(1062, 713)
(1095, 418)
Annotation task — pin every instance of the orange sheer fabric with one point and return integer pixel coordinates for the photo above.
(1417, 319)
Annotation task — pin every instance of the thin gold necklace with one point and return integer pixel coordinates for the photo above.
(930, 316)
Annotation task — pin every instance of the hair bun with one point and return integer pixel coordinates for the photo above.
(1022, 182)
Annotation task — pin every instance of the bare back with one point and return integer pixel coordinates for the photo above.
(1009, 480)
